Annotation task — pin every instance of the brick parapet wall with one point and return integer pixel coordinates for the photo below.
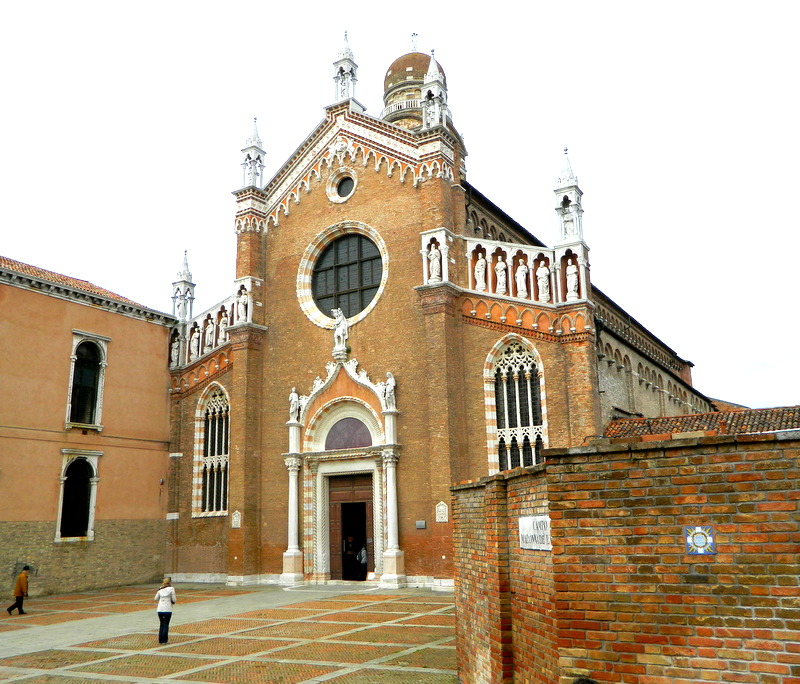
(627, 602)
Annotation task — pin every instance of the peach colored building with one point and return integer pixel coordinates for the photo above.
(84, 432)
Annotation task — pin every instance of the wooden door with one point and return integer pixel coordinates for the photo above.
(343, 491)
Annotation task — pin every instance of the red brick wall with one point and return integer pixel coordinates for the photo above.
(623, 601)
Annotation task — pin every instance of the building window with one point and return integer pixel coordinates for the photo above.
(77, 495)
(212, 495)
(517, 408)
(87, 374)
(347, 275)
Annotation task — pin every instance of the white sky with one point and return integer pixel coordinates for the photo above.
(121, 126)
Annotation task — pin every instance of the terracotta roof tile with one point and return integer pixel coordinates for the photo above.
(57, 278)
(735, 422)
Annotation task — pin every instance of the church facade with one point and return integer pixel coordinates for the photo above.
(391, 331)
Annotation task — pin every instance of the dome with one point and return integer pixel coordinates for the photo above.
(410, 67)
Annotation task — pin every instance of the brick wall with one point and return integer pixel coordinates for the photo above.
(619, 598)
(122, 552)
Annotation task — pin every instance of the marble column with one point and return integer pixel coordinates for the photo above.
(393, 558)
(293, 556)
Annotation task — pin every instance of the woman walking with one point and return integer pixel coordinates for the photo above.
(166, 599)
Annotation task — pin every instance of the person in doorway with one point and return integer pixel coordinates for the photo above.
(166, 599)
(349, 570)
(362, 563)
(20, 590)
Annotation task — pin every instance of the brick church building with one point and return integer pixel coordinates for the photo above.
(391, 331)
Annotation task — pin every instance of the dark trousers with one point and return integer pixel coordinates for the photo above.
(163, 627)
(17, 604)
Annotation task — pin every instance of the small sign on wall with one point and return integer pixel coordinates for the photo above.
(534, 532)
(236, 520)
(442, 512)
(700, 540)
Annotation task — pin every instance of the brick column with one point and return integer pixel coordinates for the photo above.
(245, 453)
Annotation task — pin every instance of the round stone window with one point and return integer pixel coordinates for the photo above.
(345, 187)
(346, 267)
(341, 185)
(347, 275)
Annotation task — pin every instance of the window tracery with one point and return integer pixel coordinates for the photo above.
(517, 407)
(216, 440)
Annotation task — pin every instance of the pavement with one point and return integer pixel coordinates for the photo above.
(353, 633)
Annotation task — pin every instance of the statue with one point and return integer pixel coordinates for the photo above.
(194, 344)
(340, 332)
(209, 336)
(543, 280)
(572, 281)
(294, 406)
(223, 328)
(174, 350)
(388, 392)
(521, 277)
(480, 273)
(434, 264)
(500, 271)
(241, 306)
(180, 303)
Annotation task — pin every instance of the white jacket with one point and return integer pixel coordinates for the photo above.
(165, 597)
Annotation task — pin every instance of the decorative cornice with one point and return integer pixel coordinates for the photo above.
(190, 380)
(439, 298)
(77, 296)
(367, 140)
(526, 332)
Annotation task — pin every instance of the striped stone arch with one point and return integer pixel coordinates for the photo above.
(489, 397)
(214, 392)
(328, 415)
(312, 253)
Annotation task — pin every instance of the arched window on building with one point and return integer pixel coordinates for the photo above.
(86, 384)
(78, 482)
(216, 441)
(518, 407)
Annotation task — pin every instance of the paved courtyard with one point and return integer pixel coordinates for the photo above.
(344, 634)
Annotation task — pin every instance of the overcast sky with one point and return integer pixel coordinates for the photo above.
(121, 126)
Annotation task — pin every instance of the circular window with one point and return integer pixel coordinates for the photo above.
(347, 275)
(346, 267)
(345, 187)
(341, 185)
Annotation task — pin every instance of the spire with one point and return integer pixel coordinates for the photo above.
(183, 292)
(185, 273)
(567, 177)
(570, 212)
(253, 164)
(344, 73)
(434, 96)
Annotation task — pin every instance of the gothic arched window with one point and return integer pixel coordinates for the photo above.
(518, 407)
(348, 433)
(216, 440)
(85, 383)
(76, 499)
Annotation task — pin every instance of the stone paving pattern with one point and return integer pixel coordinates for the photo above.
(348, 634)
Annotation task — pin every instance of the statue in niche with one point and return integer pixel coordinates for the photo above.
(180, 304)
(521, 276)
(340, 331)
(572, 281)
(174, 351)
(480, 273)
(223, 328)
(241, 306)
(500, 271)
(294, 405)
(434, 264)
(194, 344)
(388, 392)
(543, 281)
(209, 335)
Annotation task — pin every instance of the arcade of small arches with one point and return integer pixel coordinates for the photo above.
(648, 378)
(341, 150)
